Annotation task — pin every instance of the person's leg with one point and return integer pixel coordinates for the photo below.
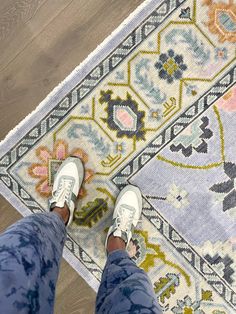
(31, 249)
(124, 287)
(30, 254)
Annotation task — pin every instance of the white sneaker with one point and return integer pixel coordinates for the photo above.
(67, 183)
(126, 214)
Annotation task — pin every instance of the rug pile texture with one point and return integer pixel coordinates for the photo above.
(154, 106)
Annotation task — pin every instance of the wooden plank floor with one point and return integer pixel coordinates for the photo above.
(41, 42)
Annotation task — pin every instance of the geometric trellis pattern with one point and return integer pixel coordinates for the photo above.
(158, 111)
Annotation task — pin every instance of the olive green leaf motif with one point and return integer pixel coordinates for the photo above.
(166, 286)
(91, 213)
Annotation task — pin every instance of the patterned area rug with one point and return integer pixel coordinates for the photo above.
(154, 105)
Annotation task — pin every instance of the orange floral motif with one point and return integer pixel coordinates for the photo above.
(222, 20)
(228, 101)
(42, 170)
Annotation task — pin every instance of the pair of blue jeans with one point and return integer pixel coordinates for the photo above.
(30, 255)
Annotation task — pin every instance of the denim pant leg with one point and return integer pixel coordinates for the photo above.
(30, 254)
(125, 288)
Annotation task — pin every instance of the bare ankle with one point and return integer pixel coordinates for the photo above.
(115, 243)
(63, 212)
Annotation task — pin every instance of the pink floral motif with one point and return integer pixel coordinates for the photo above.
(125, 118)
(228, 101)
(232, 242)
(60, 152)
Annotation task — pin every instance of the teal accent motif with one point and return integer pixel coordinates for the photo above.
(98, 142)
(226, 20)
(221, 54)
(151, 44)
(185, 13)
(146, 84)
(84, 109)
(120, 75)
(196, 140)
(192, 306)
(196, 46)
(191, 90)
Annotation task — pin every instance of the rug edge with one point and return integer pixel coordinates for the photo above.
(60, 91)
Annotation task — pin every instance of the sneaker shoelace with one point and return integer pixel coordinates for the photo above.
(64, 190)
(125, 218)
